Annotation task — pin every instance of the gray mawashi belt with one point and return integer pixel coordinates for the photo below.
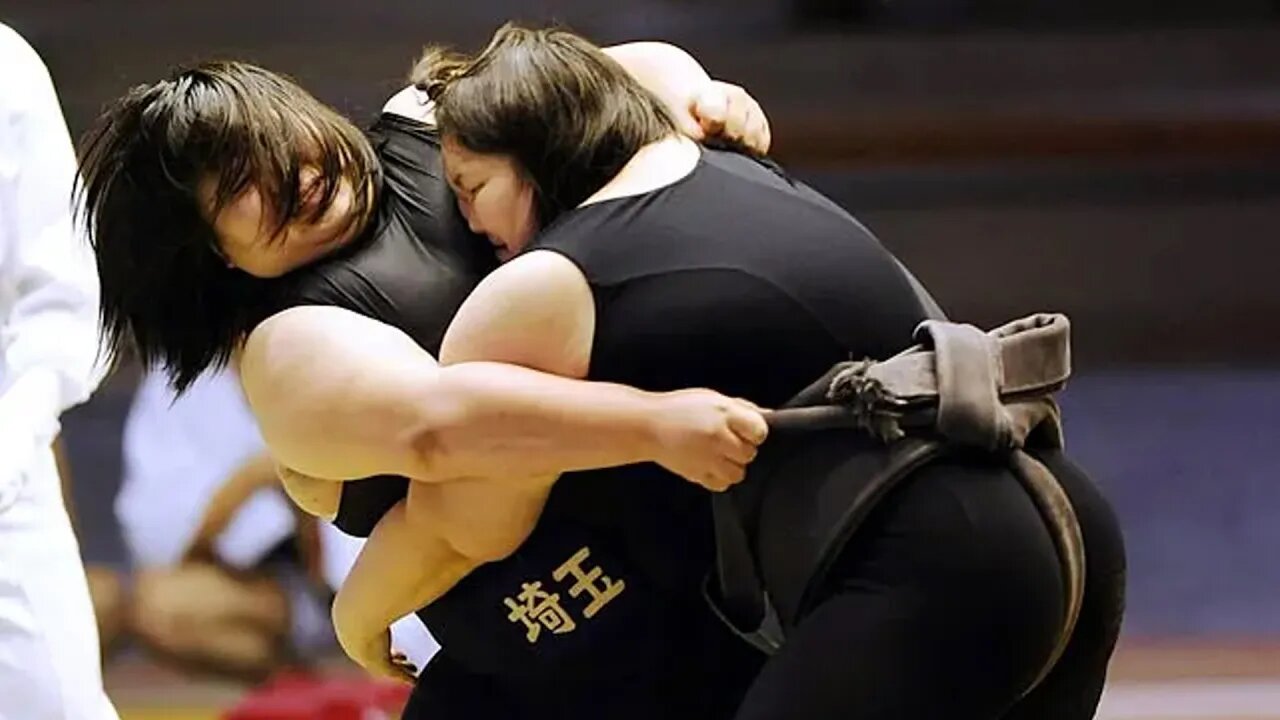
(958, 388)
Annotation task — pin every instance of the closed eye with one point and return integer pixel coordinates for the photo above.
(455, 182)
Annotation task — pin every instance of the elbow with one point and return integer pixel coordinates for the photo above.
(314, 496)
(465, 523)
(428, 448)
(346, 621)
(483, 548)
(435, 441)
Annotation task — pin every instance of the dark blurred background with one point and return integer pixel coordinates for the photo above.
(1117, 160)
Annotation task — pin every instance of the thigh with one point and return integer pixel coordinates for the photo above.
(862, 657)
(1073, 689)
(943, 606)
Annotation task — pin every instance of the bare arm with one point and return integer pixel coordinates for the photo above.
(538, 311)
(442, 531)
(703, 107)
(402, 567)
(665, 70)
(340, 396)
(668, 72)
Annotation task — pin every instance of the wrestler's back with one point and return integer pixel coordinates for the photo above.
(733, 278)
(718, 281)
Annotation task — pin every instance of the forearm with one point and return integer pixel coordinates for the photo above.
(500, 420)
(663, 69)
(338, 396)
(254, 475)
(401, 568)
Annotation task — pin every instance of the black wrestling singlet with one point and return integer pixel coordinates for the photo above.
(412, 270)
(583, 619)
(734, 278)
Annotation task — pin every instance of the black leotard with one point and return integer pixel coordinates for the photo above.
(798, 269)
(412, 270)
(740, 279)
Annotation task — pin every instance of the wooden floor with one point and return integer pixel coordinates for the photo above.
(1150, 681)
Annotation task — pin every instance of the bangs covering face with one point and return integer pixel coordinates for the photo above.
(162, 161)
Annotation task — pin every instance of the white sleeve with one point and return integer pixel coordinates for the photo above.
(48, 280)
(412, 103)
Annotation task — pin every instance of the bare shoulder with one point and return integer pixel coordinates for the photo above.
(537, 272)
(535, 284)
(294, 333)
(537, 311)
(334, 392)
(306, 344)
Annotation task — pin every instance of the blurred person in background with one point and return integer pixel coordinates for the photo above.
(228, 577)
(50, 666)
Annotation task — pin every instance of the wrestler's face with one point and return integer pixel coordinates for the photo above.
(493, 196)
(247, 227)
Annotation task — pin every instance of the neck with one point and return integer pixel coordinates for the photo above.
(654, 166)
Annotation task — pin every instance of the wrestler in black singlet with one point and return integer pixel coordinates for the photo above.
(651, 649)
(947, 601)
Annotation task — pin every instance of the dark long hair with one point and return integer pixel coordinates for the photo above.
(569, 115)
(166, 291)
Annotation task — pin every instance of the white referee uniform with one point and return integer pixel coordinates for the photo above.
(49, 654)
